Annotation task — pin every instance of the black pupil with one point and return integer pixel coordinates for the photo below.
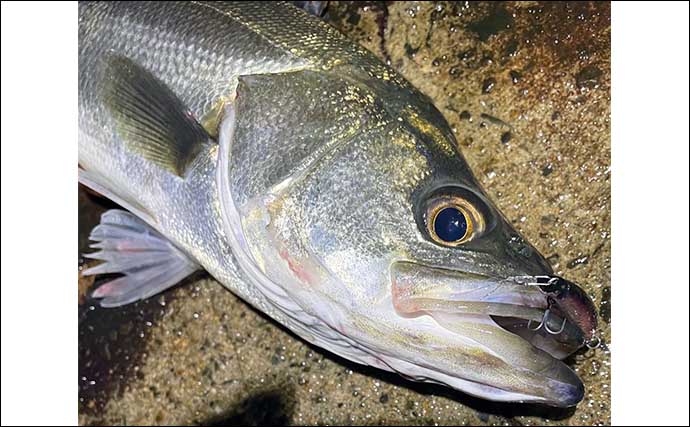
(450, 225)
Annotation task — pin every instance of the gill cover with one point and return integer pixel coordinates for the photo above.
(275, 133)
(287, 123)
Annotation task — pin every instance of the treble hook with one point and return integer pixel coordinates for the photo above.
(540, 325)
(591, 346)
(546, 326)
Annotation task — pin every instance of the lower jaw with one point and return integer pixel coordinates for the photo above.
(506, 360)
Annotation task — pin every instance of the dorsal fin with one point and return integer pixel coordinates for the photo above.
(151, 120)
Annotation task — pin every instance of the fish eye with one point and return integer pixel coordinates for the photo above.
(452, 220)
(450, 224)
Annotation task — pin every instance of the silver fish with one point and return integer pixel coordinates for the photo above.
(256, 142)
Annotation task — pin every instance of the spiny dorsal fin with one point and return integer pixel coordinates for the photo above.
(151, 120)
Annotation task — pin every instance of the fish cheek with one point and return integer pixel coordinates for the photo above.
(276, 237)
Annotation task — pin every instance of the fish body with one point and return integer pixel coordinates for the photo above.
(258, 143)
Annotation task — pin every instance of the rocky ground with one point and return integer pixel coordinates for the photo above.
(525, 86)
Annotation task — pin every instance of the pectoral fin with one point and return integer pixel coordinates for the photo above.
(149, 262)
(150, 119)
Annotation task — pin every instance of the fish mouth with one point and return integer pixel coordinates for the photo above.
(567, 324)
(530, 323)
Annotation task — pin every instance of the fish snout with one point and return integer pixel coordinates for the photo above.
(520, 329)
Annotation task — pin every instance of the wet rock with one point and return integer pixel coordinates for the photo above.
(605, 305)
(488, 85)
(511, 47)
(410, 51)
(515, 76)
(494, 120)
(588, 77)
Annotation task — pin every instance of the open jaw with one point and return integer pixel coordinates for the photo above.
(528, 326)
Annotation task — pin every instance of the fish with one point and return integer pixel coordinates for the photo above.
(254, 141)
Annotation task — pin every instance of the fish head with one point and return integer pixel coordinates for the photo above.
(387, 238)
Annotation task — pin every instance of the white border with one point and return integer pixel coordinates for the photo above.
(650, 213)
(649, 230)
(39, 213)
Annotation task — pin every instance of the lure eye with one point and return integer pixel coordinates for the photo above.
(452, 221)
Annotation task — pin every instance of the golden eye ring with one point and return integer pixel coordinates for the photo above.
(452, 221)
